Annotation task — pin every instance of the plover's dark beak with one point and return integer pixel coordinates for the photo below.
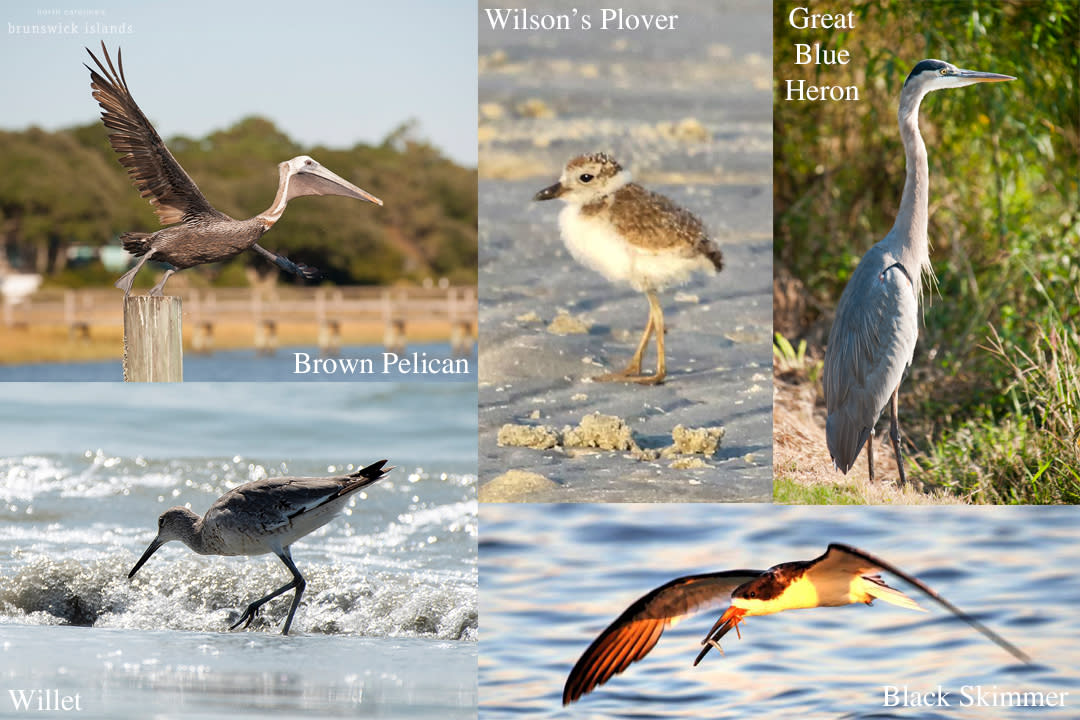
(551, 192)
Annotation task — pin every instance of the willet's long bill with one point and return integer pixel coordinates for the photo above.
(842, 576)
(262, 517)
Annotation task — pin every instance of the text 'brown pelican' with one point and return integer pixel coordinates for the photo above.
(203, 234)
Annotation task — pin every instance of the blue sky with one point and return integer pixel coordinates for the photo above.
(326, 72)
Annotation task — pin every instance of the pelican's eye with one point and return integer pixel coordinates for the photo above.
(585, 177)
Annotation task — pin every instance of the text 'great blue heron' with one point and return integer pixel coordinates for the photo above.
(203, 234)
(872, 341)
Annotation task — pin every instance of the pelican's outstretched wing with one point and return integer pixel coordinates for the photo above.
(151, 166)
(636, 631)
(848, 558)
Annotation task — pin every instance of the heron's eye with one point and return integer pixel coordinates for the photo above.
(585, 177)
(943, 71)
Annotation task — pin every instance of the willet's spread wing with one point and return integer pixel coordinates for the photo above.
(840, 556)
(151, 166)
(636, 631)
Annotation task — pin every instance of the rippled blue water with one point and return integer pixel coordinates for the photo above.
(554, 576)
(389, 616)
(248, 366)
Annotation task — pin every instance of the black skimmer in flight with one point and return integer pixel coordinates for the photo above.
(842, 576)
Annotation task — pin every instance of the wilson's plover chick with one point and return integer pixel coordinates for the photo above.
(629, 234)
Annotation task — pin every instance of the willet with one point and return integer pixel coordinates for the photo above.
(629, 234)
(842, 576)
(261, 517)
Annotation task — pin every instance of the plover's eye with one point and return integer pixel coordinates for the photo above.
(585, 177)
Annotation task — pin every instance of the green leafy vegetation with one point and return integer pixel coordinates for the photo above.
(789, 492)
(990, 406)
(62, 189)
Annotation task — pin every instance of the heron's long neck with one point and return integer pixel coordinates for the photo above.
(909, 231)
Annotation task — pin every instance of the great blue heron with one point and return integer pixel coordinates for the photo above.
(201, 233)
(873, 337)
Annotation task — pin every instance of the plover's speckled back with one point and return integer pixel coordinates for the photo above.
(629, 234)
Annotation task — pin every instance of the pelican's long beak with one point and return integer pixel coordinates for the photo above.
(318, 180)
(158, 542)
(974, 76)
(551, 192)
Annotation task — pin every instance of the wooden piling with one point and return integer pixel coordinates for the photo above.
(153, 339)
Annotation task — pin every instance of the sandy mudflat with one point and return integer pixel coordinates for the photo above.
(689, 113)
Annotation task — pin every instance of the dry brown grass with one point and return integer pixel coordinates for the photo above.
(801, 456)
(56, 344)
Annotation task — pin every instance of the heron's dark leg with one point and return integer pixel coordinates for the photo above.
(894, 433)
(299, 269)
(158, 290)
(126, 280)
(297, 582)
(870, 454)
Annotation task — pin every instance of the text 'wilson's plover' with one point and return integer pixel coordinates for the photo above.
(629, 234)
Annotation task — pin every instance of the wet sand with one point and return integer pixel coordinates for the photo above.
(689, 113)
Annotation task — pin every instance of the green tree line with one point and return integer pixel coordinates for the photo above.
(66, 188)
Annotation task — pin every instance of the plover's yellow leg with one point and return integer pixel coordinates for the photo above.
(632, 372)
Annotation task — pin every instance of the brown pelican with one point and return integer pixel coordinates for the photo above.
(203, 235)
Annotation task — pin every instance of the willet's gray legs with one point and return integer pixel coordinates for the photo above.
(298, 582)
(894, 434)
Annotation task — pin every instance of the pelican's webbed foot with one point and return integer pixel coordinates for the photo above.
(298, 269)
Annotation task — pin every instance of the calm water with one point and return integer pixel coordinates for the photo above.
(553, 577)
(247, 366)
(388, 623)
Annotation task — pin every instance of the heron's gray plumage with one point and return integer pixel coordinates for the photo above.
(873, 337)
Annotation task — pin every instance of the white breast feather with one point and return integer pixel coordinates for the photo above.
(594, 243)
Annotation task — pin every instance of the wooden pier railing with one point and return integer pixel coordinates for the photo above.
(326, 310)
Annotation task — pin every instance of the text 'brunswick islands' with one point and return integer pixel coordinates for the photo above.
(417, 363)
